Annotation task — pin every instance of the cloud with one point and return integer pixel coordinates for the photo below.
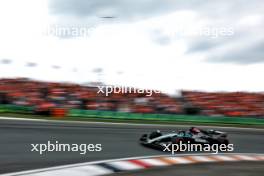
(247, 54)
(158, 37)
(122, 9)
(244, 17)
(204, 44)
(139, 9)
(245, 46)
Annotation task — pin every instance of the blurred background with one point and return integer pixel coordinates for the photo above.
(206, 57)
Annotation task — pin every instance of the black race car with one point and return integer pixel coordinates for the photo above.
(192, 136)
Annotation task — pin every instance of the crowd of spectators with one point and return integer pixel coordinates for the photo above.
(46, 95)
(226, 103)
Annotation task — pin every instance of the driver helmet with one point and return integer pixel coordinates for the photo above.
(194, 130)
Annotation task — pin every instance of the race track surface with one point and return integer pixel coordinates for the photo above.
(208, 169)
(118, 141)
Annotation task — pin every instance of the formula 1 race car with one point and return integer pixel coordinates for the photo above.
(194, 135)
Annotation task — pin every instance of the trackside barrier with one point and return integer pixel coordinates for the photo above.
(164, 117)
(58, 112)
(7, 108)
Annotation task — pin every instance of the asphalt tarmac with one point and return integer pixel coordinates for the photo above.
(118, 141)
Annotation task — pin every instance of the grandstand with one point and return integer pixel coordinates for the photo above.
(44, 96)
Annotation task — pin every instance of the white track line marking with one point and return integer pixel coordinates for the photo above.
(180, 160)
(94, 169)
(91, 170)
(224, 158)
(246, 158)
(154, 162)
(203, 159)
(124, 165)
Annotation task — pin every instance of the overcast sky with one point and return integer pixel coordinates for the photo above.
(213, 45)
